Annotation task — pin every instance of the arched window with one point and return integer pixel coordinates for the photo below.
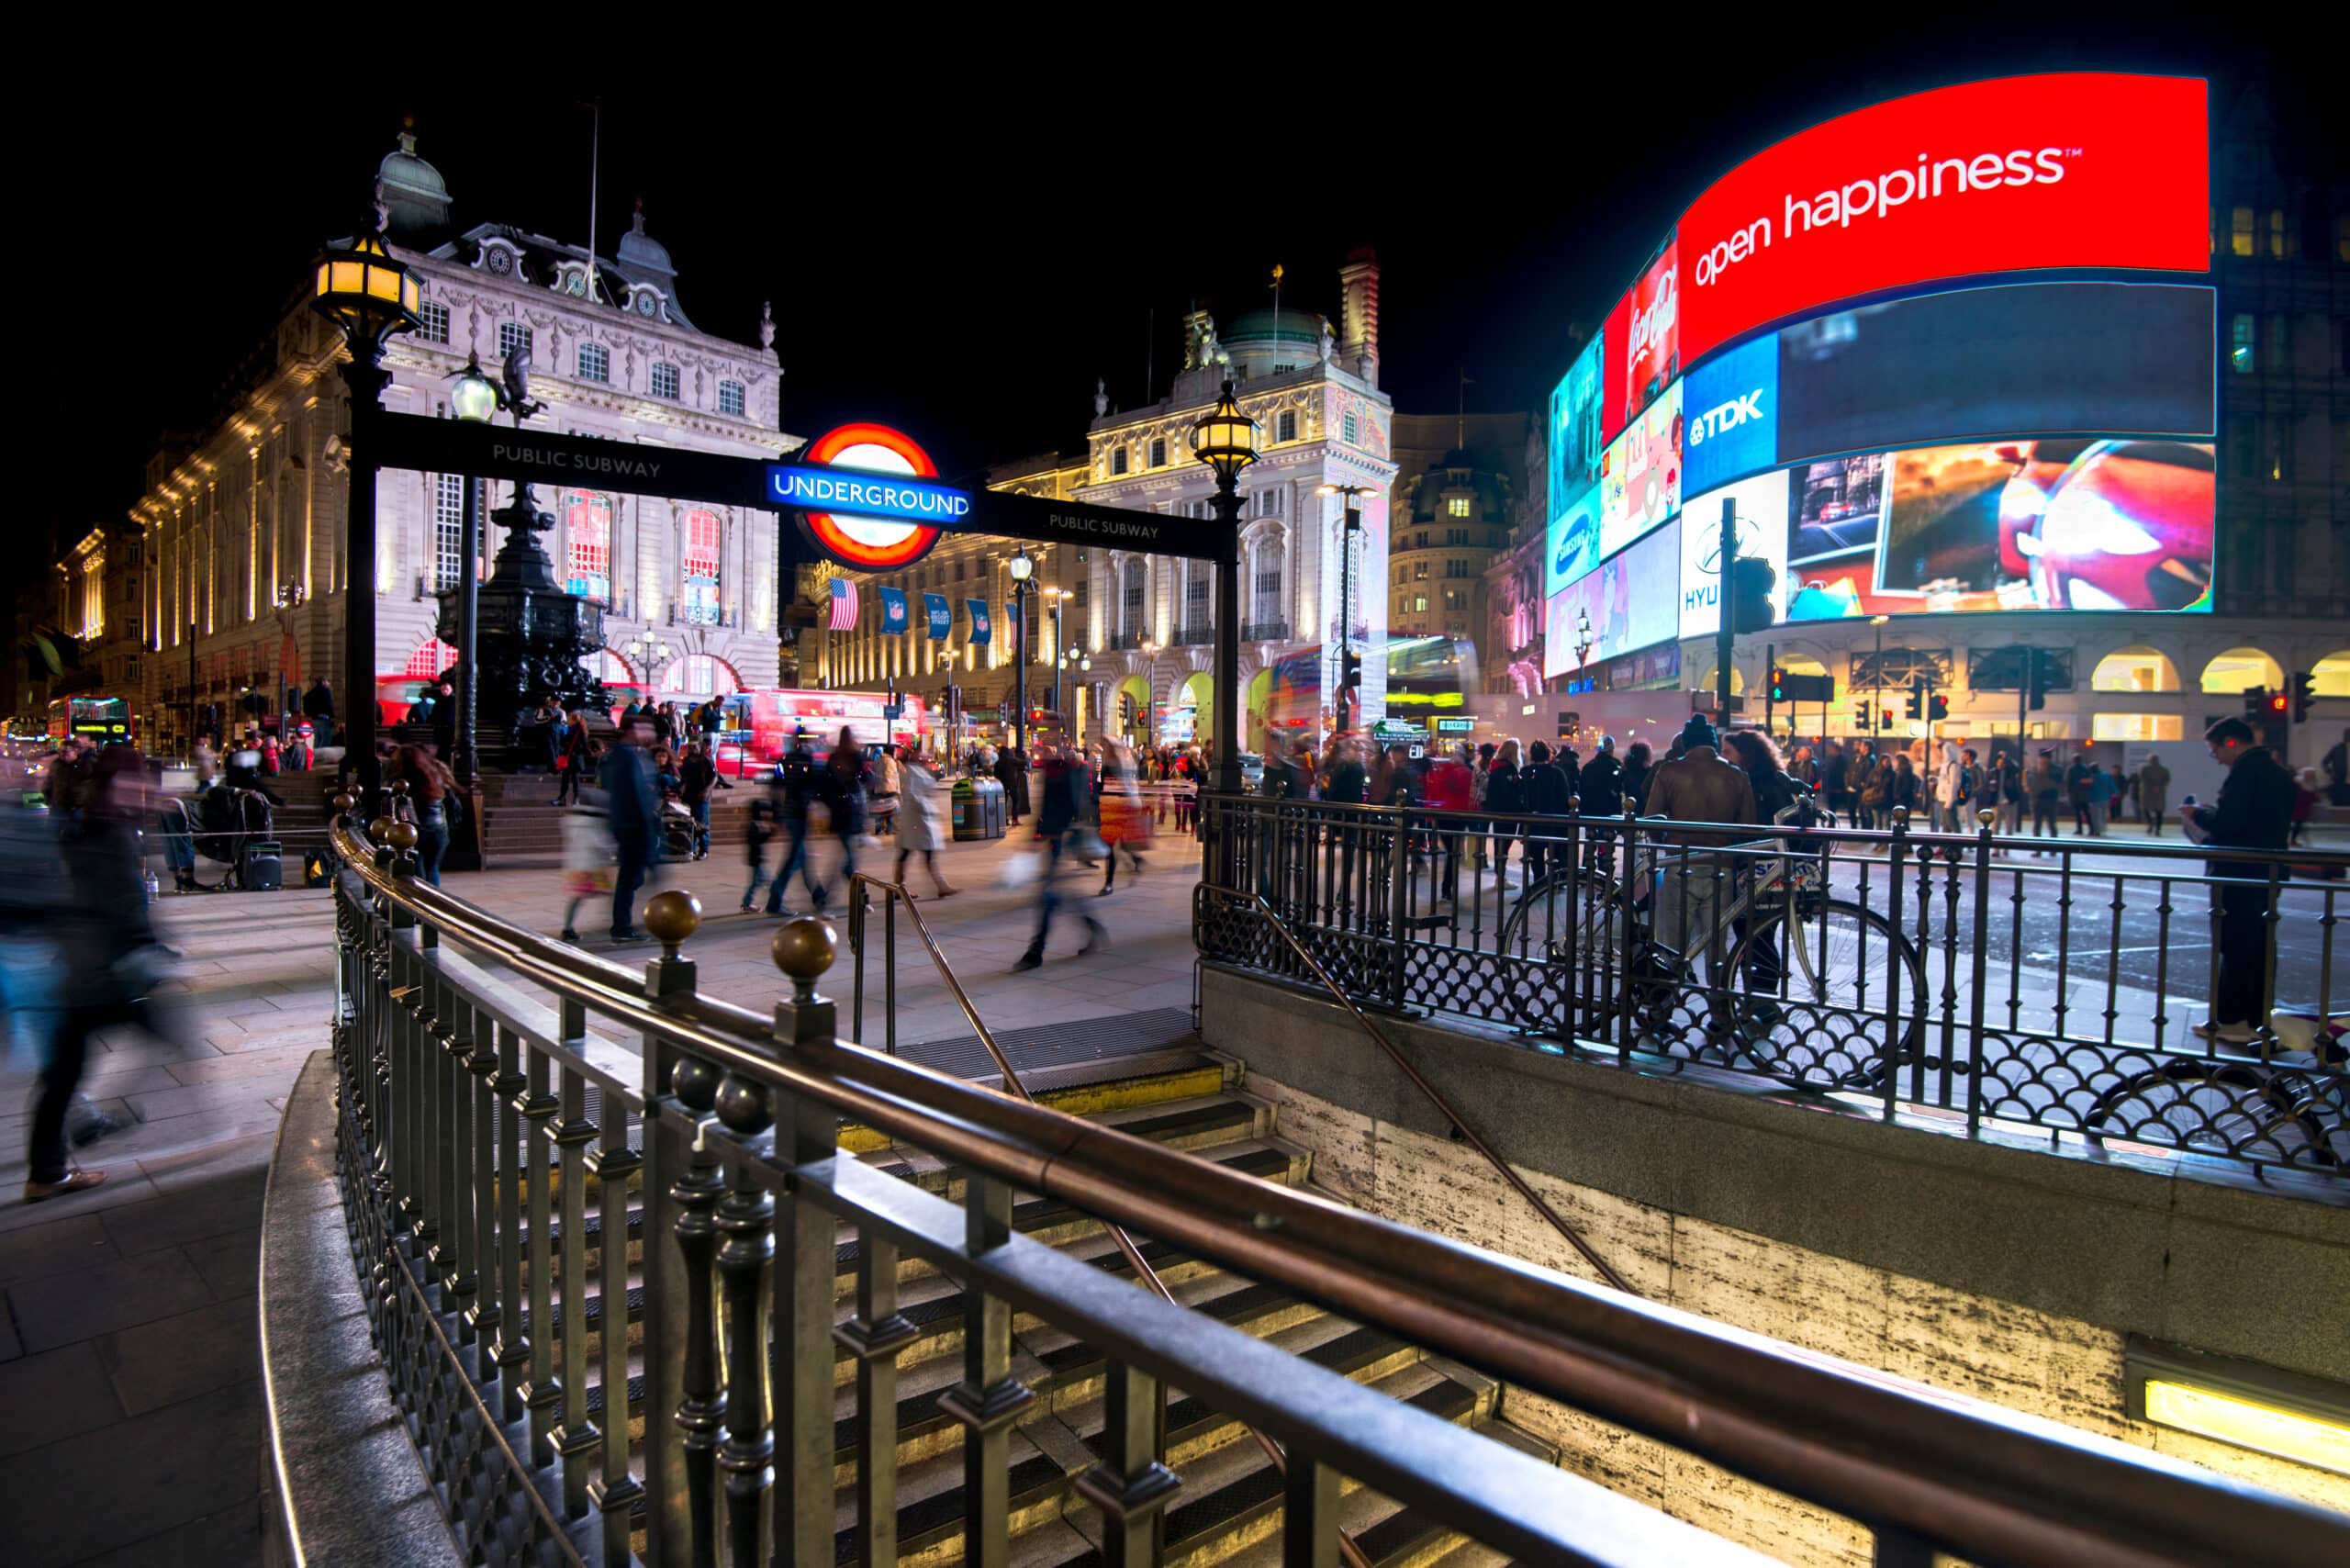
(698, 562)
(2134, 670)
(429, 661)
(699, 675)
(587, 532)
(1265, 585)
(609, 667)
(2331, 674)
(2241, 670)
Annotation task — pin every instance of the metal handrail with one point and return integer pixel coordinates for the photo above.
(1435, 1096)
(1981, 1480)
(1019, 1090)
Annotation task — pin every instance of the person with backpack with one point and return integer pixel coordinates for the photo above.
(1548, 792)
(789, 794)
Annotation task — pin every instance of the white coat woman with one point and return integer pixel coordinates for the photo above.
(923, 817)
(1950, 790)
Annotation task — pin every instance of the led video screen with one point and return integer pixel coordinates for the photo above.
(2058, 523)
(1577, 435)
(2080, 168)
(1639, 480)
(1760, 503)
(1630, 601)
(1573, 542)
(1643, 339)
(2101, 358)
(1732, 407)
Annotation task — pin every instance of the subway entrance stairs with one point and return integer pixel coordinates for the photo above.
(1145, 1074)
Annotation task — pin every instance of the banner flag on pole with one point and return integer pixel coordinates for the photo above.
(894, 610)
(844, 605)
(942, 618)
(979, 608)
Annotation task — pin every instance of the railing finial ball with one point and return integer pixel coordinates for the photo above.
(343, 801)
(743, 1106)
(694, 1082)
(1986, 816)
(672, 917)
(805, 948)
(1901, 818)
(403, 836)
(400, 788)
(379, 832)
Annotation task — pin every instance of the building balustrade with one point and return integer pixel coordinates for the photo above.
(1265, 631)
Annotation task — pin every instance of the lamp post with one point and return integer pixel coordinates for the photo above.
(1024, 573)
(1349, 678)
(1060, 661)
(475, 399)
(1150, 695)
(650, 654)
(1583, 637)
(1879, 727)
(362, 288)
(1225, 439)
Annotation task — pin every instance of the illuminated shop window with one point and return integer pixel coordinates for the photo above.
(587, 528)
(448, 531)
(2137, 727)
(700, 564)
(429, 661)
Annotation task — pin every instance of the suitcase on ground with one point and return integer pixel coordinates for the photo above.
(263, 868)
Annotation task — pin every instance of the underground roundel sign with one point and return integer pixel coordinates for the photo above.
(868, 501)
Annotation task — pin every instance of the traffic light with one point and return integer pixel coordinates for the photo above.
(1860, 717)
(2278, 705)
(2255, 704)
(2304, 693)
(1350, 681)
(1752, 581)
(1917, 703)
(1778, 684)
(2036, 678)
(1937, 707)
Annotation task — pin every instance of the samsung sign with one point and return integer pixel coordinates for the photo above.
(902, 497)
(1731, 407)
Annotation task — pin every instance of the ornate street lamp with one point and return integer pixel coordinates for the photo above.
(368, 294)
(1225, 439)
(1349, 702)
(1023, 572)
(1583, 637)
(475, 399)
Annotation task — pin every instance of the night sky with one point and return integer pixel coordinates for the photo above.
(968, 272)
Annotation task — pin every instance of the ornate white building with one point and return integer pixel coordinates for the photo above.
(1145, 622)
(243, 523)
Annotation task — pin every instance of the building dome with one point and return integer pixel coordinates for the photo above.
(641, 251)
(1257, 326)
(415, 195)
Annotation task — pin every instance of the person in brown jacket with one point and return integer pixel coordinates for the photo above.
(1697, 786)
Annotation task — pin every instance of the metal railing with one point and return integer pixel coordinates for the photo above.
(500, 1163)
(1265, 631)
(2001, 983)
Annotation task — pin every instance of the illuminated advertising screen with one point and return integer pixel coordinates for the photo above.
(1643, 339)
(1573, 542)
(1835, 507)
(1732, 407)
(1760, 508)
(2093, 358)
(2055, 524)
(1629, 602)
(1577, 436)
(1639, 479)
(2080, 169)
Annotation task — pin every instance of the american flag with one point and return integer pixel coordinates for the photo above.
(844, 605)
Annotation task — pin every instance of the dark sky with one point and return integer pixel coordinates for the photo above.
(967, 269)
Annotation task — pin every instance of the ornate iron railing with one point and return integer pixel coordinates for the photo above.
(500, 1162)
(2018, 983)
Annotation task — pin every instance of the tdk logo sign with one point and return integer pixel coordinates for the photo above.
(1738, 434)
(1726, 417)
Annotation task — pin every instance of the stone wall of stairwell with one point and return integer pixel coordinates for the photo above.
(2003, 1273)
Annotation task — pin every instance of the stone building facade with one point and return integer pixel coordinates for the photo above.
(1144, 623)
(242, 522)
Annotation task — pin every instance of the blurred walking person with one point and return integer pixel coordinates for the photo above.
(109, 956)
(1060, 802)
(634, 818)
(923, 807)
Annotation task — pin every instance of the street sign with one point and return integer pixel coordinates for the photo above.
(893, 712)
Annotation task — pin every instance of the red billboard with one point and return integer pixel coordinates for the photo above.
(1643, 342)
(2083, 169)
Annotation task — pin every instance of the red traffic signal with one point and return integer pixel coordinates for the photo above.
(2278, 703)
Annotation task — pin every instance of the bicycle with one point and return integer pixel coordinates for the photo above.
(1833, 957)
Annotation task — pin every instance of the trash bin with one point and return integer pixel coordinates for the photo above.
(992, 802)
(964, 810)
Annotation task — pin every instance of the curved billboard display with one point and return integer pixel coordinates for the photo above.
(1788, 345)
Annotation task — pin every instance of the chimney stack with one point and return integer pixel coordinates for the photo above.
(1358, 313)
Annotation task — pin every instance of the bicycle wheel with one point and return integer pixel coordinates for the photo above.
(1821, 1023)
(1557, 922)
